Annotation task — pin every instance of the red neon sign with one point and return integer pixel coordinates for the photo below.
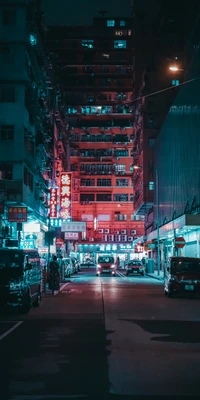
(53, 203)
(65, 196)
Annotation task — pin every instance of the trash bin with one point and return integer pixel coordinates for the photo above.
(150, 266)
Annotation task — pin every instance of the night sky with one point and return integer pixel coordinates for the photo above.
(81, 12)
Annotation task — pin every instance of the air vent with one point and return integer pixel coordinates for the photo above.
(106, 230)
(133, 232)
(123, 231)
(91, 239)
(110, 238)
(116, 232)
(117, 238)
(100, 230)
(130, 239)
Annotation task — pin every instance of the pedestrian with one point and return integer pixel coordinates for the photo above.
(54, 275)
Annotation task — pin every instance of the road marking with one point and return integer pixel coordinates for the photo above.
(53, 397)
(10, 330)
(64, 286)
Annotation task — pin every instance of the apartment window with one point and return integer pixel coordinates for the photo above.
(87, 43)
(120, 167)
(28, 178)
(104, 197)
(110, 22)
(33, 39)
(6, 171)
(6, 54)
(120, 217)
(119, 44)
(121, 182)
(151, 122)
(120, 33)
(152, 143)
(175, 82)
(121, 153)
(75, 197)
(74, 167)
(7, 132)
(87, 182)
(7, 94)
(122, 22)
(151, 185)
(121, 197)
(87, 197)
(103, 182)
(8, 17)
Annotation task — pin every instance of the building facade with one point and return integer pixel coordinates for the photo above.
(96, 73)
(27, 121)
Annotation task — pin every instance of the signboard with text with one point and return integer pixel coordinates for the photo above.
(65, 195)
(53, 202)
(71, 235)
(73, 227)
(17, 214)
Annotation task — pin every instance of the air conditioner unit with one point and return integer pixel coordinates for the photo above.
(116, 232)
(133, 232)
(91, 239)
(124, 238)
(117, 238)
(123, 232)
(100, 230)
(106, 230)
(104, 238)
(110, 238)
(130, 239)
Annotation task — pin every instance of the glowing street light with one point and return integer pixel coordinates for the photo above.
(174, 68)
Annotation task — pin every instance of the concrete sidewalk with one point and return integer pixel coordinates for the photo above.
(156, 276)
(62, 286)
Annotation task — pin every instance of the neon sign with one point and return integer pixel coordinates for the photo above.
(53, 203)
(65, 196)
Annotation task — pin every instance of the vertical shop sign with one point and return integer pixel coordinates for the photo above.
(53, 203)
(65, 196)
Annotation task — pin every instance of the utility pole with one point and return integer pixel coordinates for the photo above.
(157, 219)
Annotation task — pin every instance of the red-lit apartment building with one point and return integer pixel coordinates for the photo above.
(95, 67)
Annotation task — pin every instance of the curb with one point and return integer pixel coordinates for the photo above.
(155, 277)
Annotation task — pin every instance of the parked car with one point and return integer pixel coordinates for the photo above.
(182, 276)
(76, 265)
(68, 268)
(134, 267)
(106, 264)
(88, 264)
(20, 278)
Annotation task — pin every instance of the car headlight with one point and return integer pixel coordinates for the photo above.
(98, 266)
(112, 266)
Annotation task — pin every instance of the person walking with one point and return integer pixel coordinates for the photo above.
(54, 275)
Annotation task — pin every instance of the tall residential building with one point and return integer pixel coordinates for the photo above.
(95, 68)
(27, 120)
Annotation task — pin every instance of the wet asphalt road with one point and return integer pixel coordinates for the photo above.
(100, 338)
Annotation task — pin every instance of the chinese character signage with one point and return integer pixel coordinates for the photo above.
(65, 195)
(71, 235)
(73, 227)
(53, 203)
(17, 214)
